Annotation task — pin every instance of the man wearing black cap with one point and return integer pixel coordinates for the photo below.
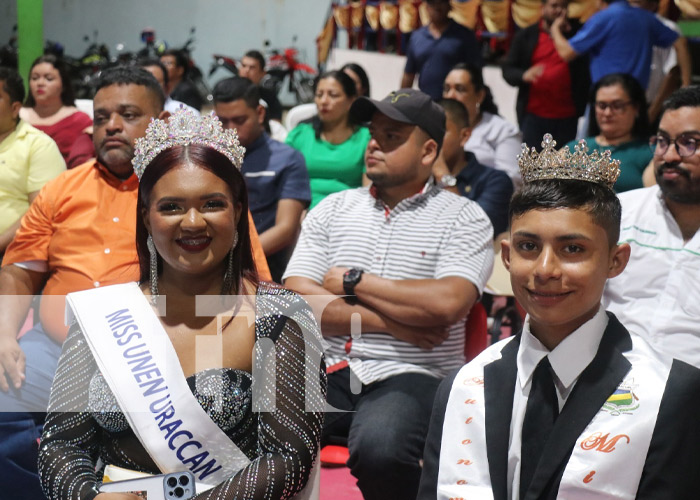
(410, 259)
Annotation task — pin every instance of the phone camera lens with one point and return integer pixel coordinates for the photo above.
(179, 492)
(172, 482)
(184, 480)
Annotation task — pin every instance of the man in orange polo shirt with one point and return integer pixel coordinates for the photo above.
(79, 233)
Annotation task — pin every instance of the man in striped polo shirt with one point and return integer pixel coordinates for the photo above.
(411, 260)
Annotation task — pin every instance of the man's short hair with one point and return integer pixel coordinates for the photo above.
(456, 112)
(687, 97)
(180, 58)
(12, 84)
(235, 88)
(132, 75)
(145, 62)
(257, 55)
(599, 201)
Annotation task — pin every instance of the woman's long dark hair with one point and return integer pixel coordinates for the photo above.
(640, 129)
(361, 74)
(216, 163)
(348, 85)
(67, 94)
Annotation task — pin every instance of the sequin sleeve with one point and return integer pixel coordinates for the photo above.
(289, 436)
(70, 441)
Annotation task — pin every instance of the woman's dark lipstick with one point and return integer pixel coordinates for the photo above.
(194, 245)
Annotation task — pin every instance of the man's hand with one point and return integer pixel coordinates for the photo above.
(561, 24)
(533, 73)
(425, 337)
(12, 363)
(333, 280)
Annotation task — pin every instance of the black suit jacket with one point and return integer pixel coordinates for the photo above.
(672, 463)
(519, 59)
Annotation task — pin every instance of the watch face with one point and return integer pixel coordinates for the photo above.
(448, 180)
(353, 276)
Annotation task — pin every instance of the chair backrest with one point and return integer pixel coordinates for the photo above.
(476, 331)
(298, 114)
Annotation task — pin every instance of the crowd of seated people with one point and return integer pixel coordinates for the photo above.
(382, 214)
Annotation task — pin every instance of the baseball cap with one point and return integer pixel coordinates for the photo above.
(406, 106)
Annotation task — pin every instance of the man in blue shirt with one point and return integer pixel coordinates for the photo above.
(435, 49)
(619, 39)
(275, 174)
(458, 171)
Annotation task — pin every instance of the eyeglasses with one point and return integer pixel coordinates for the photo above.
(685, 145)
(615, 106)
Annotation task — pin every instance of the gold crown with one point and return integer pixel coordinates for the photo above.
(186, 127)
(552, 164)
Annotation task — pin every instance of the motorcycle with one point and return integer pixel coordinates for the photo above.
(8, 52)
(194, 74)
(223, 62)
(284, 64)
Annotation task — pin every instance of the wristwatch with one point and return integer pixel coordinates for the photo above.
(448, 180)
(350, 280)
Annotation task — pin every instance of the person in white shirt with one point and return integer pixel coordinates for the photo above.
(574, 406)
(658, 295)
(494, 141)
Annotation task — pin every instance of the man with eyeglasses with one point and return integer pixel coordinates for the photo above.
(658, 295)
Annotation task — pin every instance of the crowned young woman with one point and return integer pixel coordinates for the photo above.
(199, 367)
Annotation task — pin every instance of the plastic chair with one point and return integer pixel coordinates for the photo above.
(499, 285)
(476, 331)
(298, 114)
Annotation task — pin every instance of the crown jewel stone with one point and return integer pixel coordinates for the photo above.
(185, 127)
(552, 164)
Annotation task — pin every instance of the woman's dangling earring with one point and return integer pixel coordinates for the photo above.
(228, 276)
(153, 266)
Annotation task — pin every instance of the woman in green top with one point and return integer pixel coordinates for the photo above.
(621, 125)
(333, 146)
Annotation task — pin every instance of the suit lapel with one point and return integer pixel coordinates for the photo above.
(499, 385)
(600, 379)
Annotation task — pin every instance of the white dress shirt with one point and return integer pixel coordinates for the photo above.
(496, 143)
(568, 360)
(658, 295)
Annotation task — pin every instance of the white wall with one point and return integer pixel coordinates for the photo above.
(385, 70)
(8, 17)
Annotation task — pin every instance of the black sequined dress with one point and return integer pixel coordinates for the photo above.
(85, 426)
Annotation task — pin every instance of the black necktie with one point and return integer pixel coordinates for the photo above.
(541, 412)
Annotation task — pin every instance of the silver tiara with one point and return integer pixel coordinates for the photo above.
(552, 164)
(186, 127)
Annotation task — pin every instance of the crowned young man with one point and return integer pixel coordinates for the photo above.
(573, 406)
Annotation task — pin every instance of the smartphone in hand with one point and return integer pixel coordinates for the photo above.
(173, 486)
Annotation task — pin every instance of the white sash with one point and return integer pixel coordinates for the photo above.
(464, 465)
(608, 458)
(139, 363)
